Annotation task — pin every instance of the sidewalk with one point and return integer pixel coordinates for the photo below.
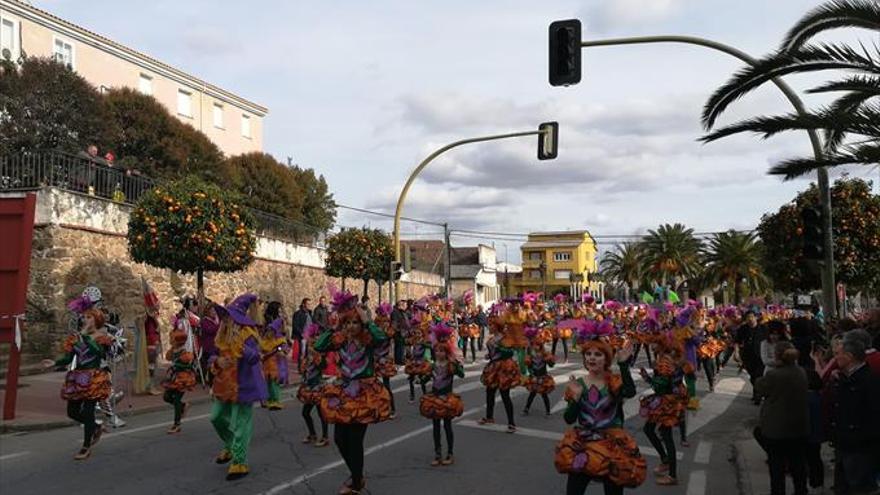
(40, 407)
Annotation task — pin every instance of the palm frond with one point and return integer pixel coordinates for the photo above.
(833, 15)
(857, 83)
(811, 58)
(865, 154)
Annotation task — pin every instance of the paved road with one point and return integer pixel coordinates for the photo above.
(142, 459)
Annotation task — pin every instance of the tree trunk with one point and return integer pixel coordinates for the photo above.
(366, 286)
(343, 284)
(737, 290)
(380, 292)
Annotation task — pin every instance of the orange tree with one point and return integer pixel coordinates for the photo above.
(192, 227)
(363, 253)
(856, 218)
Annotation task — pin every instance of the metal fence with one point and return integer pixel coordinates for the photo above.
(94, 177)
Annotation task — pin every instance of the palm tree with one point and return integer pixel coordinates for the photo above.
(671, 253)
(734, 257)
(855, 113)
(623, 265)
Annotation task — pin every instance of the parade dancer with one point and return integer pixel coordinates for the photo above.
(181, 377)
(385, 365)
(359, 399)
(238, 382)
(309, 393)
(86, 382)
(598, 448)
(469, 328)
(501, 374)
(418, 364)
(441, 405)
(274, 346)
(539, 381)
(664, 408)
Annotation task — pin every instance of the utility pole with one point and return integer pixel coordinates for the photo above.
(448, 270)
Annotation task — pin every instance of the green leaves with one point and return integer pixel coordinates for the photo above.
(189, 225)
(363, 253)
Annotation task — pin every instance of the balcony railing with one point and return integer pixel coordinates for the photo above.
(80, 174)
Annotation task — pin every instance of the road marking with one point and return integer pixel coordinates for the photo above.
(696, 483)
(547, 435)
(12, 456)
(704, 451)
(718, 405)
(394, 441)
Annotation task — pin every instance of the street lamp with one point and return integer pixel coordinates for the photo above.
(822, 173)
(548, 141)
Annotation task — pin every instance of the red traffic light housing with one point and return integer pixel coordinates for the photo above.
(565, 52)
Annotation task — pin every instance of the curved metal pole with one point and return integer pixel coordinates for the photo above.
(828, 294)
(412, 177)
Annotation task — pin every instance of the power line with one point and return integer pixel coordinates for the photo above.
(386, 215)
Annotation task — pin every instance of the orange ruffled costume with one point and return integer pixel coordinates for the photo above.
(86, 383)
(434, 406)
(370, 403)
(471, 330)
(182, 380)
(540, 384)
(502, 375)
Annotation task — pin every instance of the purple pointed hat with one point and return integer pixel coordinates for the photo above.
(237, 310)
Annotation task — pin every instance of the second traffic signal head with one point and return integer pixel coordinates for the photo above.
(548, 140)
(813, 234)
(565, 52)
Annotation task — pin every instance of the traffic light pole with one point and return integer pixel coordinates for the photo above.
(415, 173)
(829, 300)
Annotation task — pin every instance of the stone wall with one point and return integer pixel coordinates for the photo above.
(80, 240)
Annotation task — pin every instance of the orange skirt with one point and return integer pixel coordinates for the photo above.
(564, 333)
(470, 331)
(502, 374)
(182, 381)
(364, 401)
(615, 457)
(386, 369)
(663, 410)
(711, 348)
(421, 368)
(441, 406)
(540, 384)
(309, 395)
(87, 384)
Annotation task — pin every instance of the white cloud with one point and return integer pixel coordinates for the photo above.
(603, 15)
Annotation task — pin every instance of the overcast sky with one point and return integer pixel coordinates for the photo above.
(362, 91)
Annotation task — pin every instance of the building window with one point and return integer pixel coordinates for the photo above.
(63, 52)
(218, 116)
(246, 126)
(562, 274)
(536, 256)
(9, 49)
(534, 273)
(562, 256)
(184, 103)
(145, 84)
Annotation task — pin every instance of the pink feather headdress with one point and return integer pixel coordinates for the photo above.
(612, 305)
(588, 299)
(440, 332)
(80, 304)
(312, 330)
(384, 309)
(341, 300)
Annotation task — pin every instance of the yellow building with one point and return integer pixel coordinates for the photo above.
(233, 123)
(554, 262)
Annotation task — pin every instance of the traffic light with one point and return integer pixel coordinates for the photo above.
(565, 52)
(396, 270)
(548, 140)
(813, 233)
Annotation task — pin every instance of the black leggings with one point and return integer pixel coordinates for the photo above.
(175, 398)
(450, 437)
(464, 346)
(666, 448)
(544, 397)
(564, 347)
(386, 381)
(577, 485)
(505, 399)
(639, 347)
(83, 411)
(683, 426)
(310, 423)
(412, 387)
(349, 439)
(709, 368)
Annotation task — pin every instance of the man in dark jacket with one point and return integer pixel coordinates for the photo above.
(483, 323)
(784, 424)
(400, 323)
(321, 314)
(748, 341)
(301, 319)
(855, 430)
